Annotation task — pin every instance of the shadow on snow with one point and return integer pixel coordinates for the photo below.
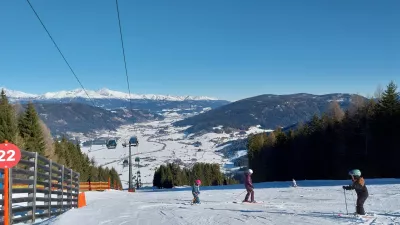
(286, 184)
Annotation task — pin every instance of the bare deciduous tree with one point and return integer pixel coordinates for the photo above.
(93, 161)
(378, 92)
(357, 102)
(271, 139)
(50, 150)
(335, 111)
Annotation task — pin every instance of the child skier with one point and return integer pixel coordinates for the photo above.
(294, 183)
(249, 186)
(196, 192)
(361, 190)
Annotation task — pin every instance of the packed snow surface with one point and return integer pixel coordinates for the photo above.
(313, 202)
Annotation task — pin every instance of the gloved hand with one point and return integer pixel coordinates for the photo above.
(198, 193)
(344, 187)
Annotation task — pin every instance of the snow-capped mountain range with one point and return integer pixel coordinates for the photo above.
(103, 93)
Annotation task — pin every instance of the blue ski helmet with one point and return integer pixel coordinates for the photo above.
(355, 172)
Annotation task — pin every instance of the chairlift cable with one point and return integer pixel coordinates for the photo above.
(126, 69)
(62, 55)
(65, 60)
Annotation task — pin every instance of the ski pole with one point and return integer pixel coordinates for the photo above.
(241, 194)
(355, 203)
(345, 200)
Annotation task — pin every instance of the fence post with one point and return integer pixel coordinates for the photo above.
(78, 189)
(33, 193)
(48, 195)
(70, 190)
(79, 186)
(60, 197)
(109, 183)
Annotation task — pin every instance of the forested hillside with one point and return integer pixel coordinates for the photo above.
(366, 136)
(28, 132)
(269, 111)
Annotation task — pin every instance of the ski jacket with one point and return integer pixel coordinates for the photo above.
(248, 182)
(196, 189)
(358, 185)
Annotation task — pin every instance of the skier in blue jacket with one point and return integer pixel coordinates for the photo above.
(196, 192)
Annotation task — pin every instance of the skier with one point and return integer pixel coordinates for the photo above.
(249, 186)
(196, 192)
(294, 183)
(360, 188)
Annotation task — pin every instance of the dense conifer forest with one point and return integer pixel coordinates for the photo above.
(171, 175)
(365, 136)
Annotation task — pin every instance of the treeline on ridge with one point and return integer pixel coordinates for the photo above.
(171, 175)
(365, 136)
(24, 128)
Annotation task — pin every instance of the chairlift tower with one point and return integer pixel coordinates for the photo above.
(133, 141)
(137, 160)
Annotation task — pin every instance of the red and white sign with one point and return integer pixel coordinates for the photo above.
(9, 155)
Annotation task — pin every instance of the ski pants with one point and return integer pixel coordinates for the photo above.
(250, 191)
(360, 204)
(196, 198)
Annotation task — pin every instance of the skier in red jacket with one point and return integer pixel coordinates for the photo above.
(249, 186)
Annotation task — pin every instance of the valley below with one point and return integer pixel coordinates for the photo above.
(160, 142)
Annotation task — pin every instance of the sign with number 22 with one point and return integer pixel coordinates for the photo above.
(9, 155)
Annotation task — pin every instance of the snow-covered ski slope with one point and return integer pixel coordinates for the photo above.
(313, 202)
(156, 148)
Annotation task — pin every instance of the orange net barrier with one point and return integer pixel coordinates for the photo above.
(83, 186)
(94, 186)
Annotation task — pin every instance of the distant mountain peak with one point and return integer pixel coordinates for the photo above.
(17, 94)
(103, 93)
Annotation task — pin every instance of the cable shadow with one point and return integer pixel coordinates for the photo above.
(330, 216)
(236, 210)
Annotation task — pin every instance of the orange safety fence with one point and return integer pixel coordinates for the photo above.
(83, 186)
(41, 187)
(97, 186)
(94, 186)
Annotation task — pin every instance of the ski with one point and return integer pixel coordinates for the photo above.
(239, 202)
(366, 219)
(357, 216)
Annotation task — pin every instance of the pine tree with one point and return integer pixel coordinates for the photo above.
(157, 178)
(31, 131)
(389, 102)
(8, 121)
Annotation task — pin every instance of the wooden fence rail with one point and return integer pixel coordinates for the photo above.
(48, 189)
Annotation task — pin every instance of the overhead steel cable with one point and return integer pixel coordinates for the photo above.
(62, 55)
(123, 53)
(65, 60)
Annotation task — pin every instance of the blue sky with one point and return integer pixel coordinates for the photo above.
(229, 49)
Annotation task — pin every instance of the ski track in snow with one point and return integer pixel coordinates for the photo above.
(281, 204)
